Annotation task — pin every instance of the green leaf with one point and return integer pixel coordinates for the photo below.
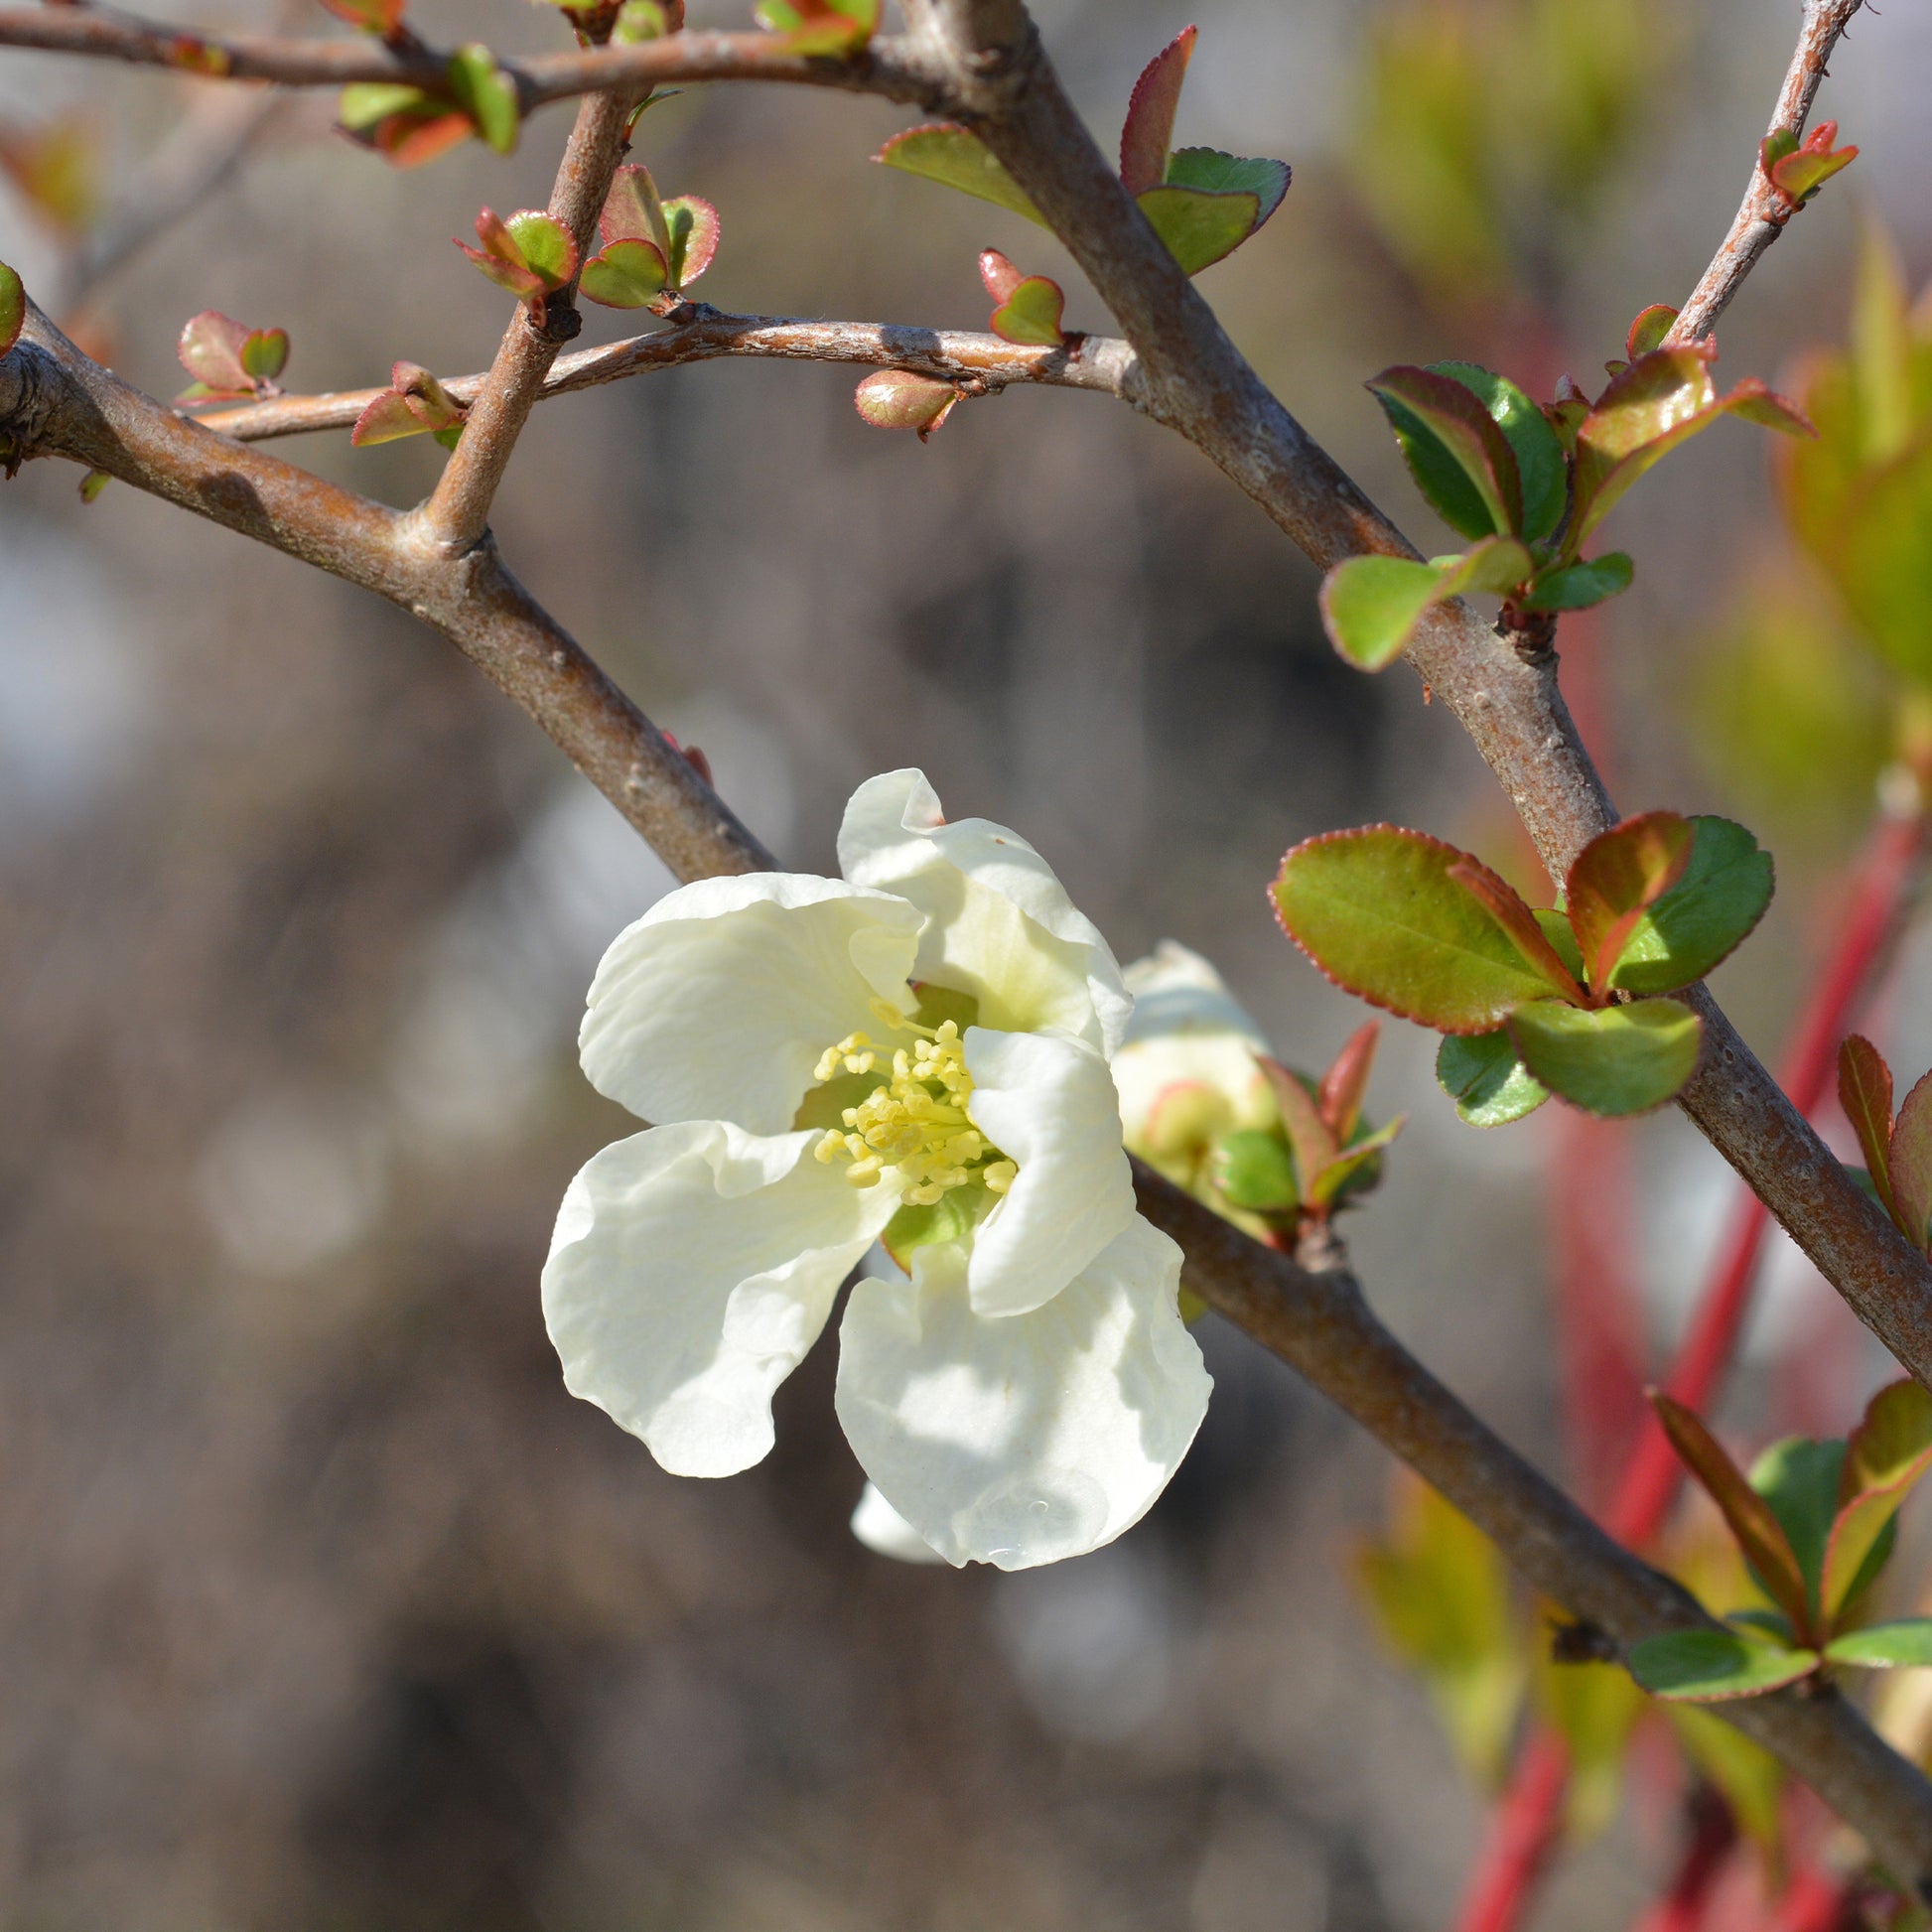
(1749, 1777)
(1491, 1086)
(1541, 465)
(624, 275)
(1254, 1170)
(1228, 173)
(1801, 169)
(1147, 132)
(1032, 313)
(1704, 917)
(1865, 1092)
(1311, 1139)
(1594, 1708)
(1616, 877)
(264, 354)
(1710, 1666)
(1378, 911)
(821, 26)
(957, 157)
(1616, 1061)
(952, 1217)
(1356, 1170)
(1799, 1480)
(547, 247)
(1199, 228)
(487, 94)
(1649, 329)
(1576, 587)
(1525, 930)
(1908, 1162)
(1457, 450)
(694, 229)
(1372, 606)
(1887, 1453)
(1904, 1645)
(13, 308)
(1753, 1523)
(634, 212)
(365, 103)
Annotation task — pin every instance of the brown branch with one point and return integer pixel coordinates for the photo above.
(890, 66)
(53, 400)
(458, 512)
(1193, 378)
(1762, 213)
(700, 333)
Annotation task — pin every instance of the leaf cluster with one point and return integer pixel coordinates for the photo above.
(652, 248)
(230, 360)
(1534, 1003)
(1816, 1522)
(1529, 484)
(408, 125)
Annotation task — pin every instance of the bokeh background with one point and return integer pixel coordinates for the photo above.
(322, 1604)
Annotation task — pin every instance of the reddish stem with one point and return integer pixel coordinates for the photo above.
(1714, 1834)
(1528, 1820)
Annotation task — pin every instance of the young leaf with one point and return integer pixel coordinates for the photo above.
(957, 157)
(487, 94)
(545, 246)
(228, 359)
(624, 275)
(1576, 587)
(1148, 133)
(902, 399)
(1616, 1061)
(1888, 1451)
(1378, 912)
(1253, 1170)
(821, 26)
(1372, 606)
(1865, 1092)
(1355, 1168)
(1032, 313)
(1539, 460)
(1339, 1095)
(1228, 173)
(1508, 910)
(1909, 1161)
(1312, 1142)
(501, 258)
(1799, 170)
(405, 125)
(13, 308)
(1649, 329)
(1750, 1517)
(632, 210)
(1457, 450)
(1616, 877)
(1799, 1478)
(264, 356)
(1710, 1666)
(1661, 400)
(1198, 227)
(1904, 1645)
(1491, 1086)
(372, 16)
(1704, 917)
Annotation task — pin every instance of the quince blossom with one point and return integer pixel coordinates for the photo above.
(915, 1053)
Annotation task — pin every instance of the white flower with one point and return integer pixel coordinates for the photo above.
(919, 1053)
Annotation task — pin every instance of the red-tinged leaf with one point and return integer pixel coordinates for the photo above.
(426, 395)
(1889, 1453)
(634, 212)
(372, 16)
(1649, 329)
(387, 419)
(521, 282)
(1199, 226)
(13, 308)
(1032, 315)
(1865, 1092)
(626, 275)
(264, 356)
(1231, 174)
(413, 140)
(821, 26)
(944, 152)
(1799, 168)
(902, 399)
(1309, 1138)
(1346, 1081)
(1451, 439)
(545, 246)
(1509, 910)
(1355, 1168)
(1616, 877)
(1149, 130)
(1758, 1532)
(487, 94)
(210, 352)
(1909, 1159)
(693, 224)
(1378, 912)
(1000, 275)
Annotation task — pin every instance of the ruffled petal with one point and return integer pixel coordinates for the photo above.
(1048, 1103)
(878, 1526)
(719, 1001)
(1035, 1436)
(692, 1268)
(1003, 927)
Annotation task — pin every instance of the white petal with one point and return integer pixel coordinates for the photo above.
(1048, 1104)
(1003, 927)
(719, 1001)
(1177, 991)
(692, 1268)
(878, 1526)
(1024, 1439)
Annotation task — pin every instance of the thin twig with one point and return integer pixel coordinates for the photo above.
(458, 512)
(1763, 212)
(700, 333)
(891, 66)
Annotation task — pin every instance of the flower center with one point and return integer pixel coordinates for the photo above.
(915, 1117)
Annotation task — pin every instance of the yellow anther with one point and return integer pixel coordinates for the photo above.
(1000, 1176)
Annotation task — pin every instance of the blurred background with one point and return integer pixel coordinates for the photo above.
(322, 1604)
